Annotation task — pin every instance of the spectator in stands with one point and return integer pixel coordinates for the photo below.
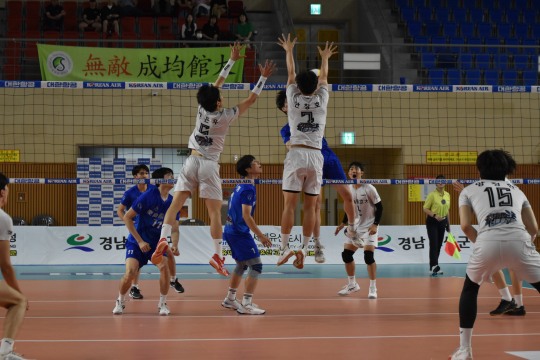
(189, 30)
(91, 19)
(54, 16)
(110, 15)
(210, 30)
(201, 7)
(129, 8)
(218, 8)
(244, 29)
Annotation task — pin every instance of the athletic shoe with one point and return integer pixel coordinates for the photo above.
(219, 264)
(163, 309)
(177, 286)
(349, 289)
(350, 232)
(11, 356)
(285, 256)
(119, 308)
(231, 304)
(461, 353)
(504, 307)
(319, 254)
(250, 309)
(517, 311)
(135, 293)
(161, 248)
(299, 261)
(372, 292)
(435, 270)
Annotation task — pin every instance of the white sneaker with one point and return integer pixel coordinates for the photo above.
(285, 256)
(119, 307)
(11, 356)
(349, 289)
(164, 309)
(319, 254)
(372, 292)
(250, 309)
(462, 353)
(231, 304)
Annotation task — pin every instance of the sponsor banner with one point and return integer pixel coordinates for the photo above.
(114, 65)
(86, 244)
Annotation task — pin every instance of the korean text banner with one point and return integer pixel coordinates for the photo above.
(72, 63)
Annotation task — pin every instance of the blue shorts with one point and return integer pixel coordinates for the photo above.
(134, 251)
(332, 169)
(243, 246)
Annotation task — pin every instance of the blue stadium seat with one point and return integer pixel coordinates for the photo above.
(452, 4)
(530, 77)
(496, 16)
(491, 77)
(483, 61)
(418, 3)
(513, 46)
(474, 49)
(466, 61)
(453, 77)
(401, 3)
(492, 45)
(418, 41)
(530, 50)
(472, 77)
(467, 30)
(407, 14)
(521, 62)
(513, 16)
(535, 31)
(450, 28)
(476, 15)
(436, 77)
(500, 61)
(438, 41)
(424, 14)
(455, 41)
(415, 28)
(459, 15)
(435, 3)
(428, 60)
(442, 14)
(521, 4)
(510, 77)
(521, 31)
(504, 30)
(484, 30)
(530, 17)
(432, 28)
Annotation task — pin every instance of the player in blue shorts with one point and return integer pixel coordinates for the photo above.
(144, 235)
(332, 170)
(141, 171)
(237, 234)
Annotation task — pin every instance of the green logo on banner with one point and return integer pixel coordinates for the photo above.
(59, 63)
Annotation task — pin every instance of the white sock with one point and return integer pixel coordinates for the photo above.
(121, 297)
(505, 294)
(519, 300)
(352, 279)
(6, 346)
(218, 247)
(305, 241)
(166, 230)
(231, 294)
(173, 278)
(317, 241)
(162, 299)
(247, 300)
(465, 336)
(373, 283)
(285, 241)
(135, 286)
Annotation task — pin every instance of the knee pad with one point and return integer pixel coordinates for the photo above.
(347, 256)
(255, 270)
(368, 257)
(239, 269)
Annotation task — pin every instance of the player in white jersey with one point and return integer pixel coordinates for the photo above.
(503, 237)
(368, 212)
(11, 297)
(307, 101)
(206, 143)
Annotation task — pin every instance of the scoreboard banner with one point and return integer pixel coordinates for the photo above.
(85, 245)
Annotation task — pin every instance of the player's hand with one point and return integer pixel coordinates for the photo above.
(268, 69)
(144, 246)
(286, 43)
(265, 241)
(328, 51)
(339, 228)
(373, 229)
(458, 186)
(235, 51)
(175, 250)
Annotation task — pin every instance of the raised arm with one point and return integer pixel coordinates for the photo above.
(235, 55)
(288, 46)
(266, 71)
(326, 53)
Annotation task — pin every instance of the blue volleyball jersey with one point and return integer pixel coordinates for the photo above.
(243, 194)
(151, 209)
(131, 195)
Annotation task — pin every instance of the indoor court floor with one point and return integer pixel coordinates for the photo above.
(415, 316)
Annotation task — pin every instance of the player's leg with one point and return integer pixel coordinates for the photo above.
(16, 304)
(287, 221)
(517, 290)
(171, 263)
(468, 303)
(132, 267)
(216, 231)
(308, 225)
(432, 232)
(179, 198)
(164, 285)
(507, 303)
(255, 269)
(135, 291)
(230, 301)
(441, 231)
(369, 259)
(345, 192)
(350, 268)
(319, 248)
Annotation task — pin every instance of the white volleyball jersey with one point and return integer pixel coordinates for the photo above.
(208, 137)
(364, 199)
(498, 206)
(6, 226)
(307, 116)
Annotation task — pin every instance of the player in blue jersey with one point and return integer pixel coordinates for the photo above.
(144, 235)
(237, 234)
(332, 170)
(141, 171)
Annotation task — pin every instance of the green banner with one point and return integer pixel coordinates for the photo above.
(73, 63)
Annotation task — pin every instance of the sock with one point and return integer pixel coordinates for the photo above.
(505, 294)
(173, 279)
(121, 297)
(218, 247)
(465, 336)
(285, 241)
(247, 299)
(231, 295)
(305, 241)
(373, 283)
(135, 286)
(162, 299)
(519, 300)
(6, 346)
(166, 230)
(317, 241)
(352, 279)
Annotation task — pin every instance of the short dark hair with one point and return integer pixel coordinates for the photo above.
(281, 99)
(307, 82)
(356, 164)
(243, 164)
(440, 176)
(495, 164)
(161, 172)
(208, 96)
(3, 181)
(137, 168)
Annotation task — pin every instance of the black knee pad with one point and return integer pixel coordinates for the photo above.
(368, 257)
(347, 256)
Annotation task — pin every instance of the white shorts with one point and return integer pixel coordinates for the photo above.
(491, 256)
(369, 240)
(302, 170)
(202, 173)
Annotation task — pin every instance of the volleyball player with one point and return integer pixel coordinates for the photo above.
(237, 234)
(307, 102)
(141, 171)
(11, 297)
(206, 143)
(368, 213)
(144, 235)
(332, 169)
(506, 227)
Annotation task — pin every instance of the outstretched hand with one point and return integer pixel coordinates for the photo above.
(329, 50)
(268, 69)
(286, 43)
(235, 51)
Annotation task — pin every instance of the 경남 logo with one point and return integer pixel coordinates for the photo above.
(384, 241)
(77, 241)
(59, 63)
